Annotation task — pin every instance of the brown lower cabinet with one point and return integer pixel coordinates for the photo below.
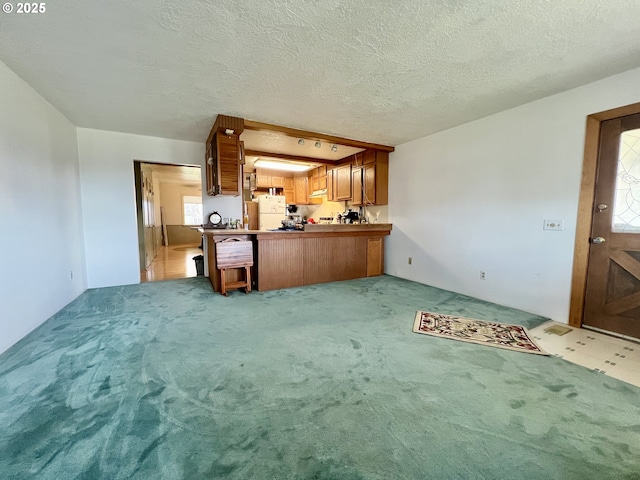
(286, 261)
(292, 259)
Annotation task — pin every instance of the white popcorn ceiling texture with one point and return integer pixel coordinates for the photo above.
(373, 70)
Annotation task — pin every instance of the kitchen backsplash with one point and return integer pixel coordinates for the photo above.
(377, 213)
(374, 213)
(326, 209)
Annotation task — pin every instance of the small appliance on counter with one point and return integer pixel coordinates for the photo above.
(292, 222)
(350, 217)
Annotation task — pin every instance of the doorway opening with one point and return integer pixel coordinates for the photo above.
(168, 207)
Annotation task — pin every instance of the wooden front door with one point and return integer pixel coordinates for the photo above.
(612, 300)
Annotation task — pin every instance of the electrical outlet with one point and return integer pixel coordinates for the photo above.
(483, 275)
(553, 225)
(410, 260)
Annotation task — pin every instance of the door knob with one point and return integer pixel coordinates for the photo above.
(598, 240)
(602, 207)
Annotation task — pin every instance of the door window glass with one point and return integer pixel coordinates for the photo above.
(626, 211)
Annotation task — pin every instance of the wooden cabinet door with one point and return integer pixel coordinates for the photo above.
(288, 183)
(319, 183)
(301, 190)
(381, 176)
(356, 186)
(322, 181)
(369, 157)
(229, 167)
(320, 171)
(375, 257)
(342, 176)
(289, 192)
(330, 187)
(289, 196)
(211, 167)
(277, 182)
(369, 184)
(263, 181)
(312, 184)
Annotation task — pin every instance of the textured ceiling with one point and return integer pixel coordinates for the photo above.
(372, 70)
(177, 174)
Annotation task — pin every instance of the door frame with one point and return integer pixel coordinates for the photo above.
(585, 208)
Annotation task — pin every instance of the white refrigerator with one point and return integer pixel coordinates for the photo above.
(271, 211)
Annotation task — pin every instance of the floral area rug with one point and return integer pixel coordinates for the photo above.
(501, 335)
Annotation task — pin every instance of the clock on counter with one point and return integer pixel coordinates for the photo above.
(215, 221)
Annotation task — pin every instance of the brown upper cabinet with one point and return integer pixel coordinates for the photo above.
(342, 182)
(370, 178)
(319, 178)
(289, 191)
(301, 190)
(356, 186)
(331, 196)
(263, 181)
(225, 157)
(366, 184)
(268, 181)
(371, 156)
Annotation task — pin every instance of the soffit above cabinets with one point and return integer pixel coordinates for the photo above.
(280, 143)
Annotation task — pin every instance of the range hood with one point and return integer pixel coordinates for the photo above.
(318, 193)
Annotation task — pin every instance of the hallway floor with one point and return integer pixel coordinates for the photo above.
(172, 262)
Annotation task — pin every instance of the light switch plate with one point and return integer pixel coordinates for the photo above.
(553, 225)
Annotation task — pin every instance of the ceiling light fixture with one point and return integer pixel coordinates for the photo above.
(287, 166)
(318, 144)
(301, 141)
(334, 148)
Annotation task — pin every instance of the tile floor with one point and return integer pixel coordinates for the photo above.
(611, 356)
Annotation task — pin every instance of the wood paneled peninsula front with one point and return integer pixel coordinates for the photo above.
(317, 254)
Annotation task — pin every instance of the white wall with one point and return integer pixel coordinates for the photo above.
(108, 198)
(40, 218)
(171, 199)
(475, 197)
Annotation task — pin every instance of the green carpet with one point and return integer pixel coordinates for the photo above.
(170, 381)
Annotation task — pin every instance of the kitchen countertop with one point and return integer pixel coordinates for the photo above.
(308, 228)
(347, 227)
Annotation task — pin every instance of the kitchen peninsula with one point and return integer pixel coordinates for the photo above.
(317, 254)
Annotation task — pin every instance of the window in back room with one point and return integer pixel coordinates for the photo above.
(191, 210)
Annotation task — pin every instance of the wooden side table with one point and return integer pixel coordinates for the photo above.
(234, 253)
